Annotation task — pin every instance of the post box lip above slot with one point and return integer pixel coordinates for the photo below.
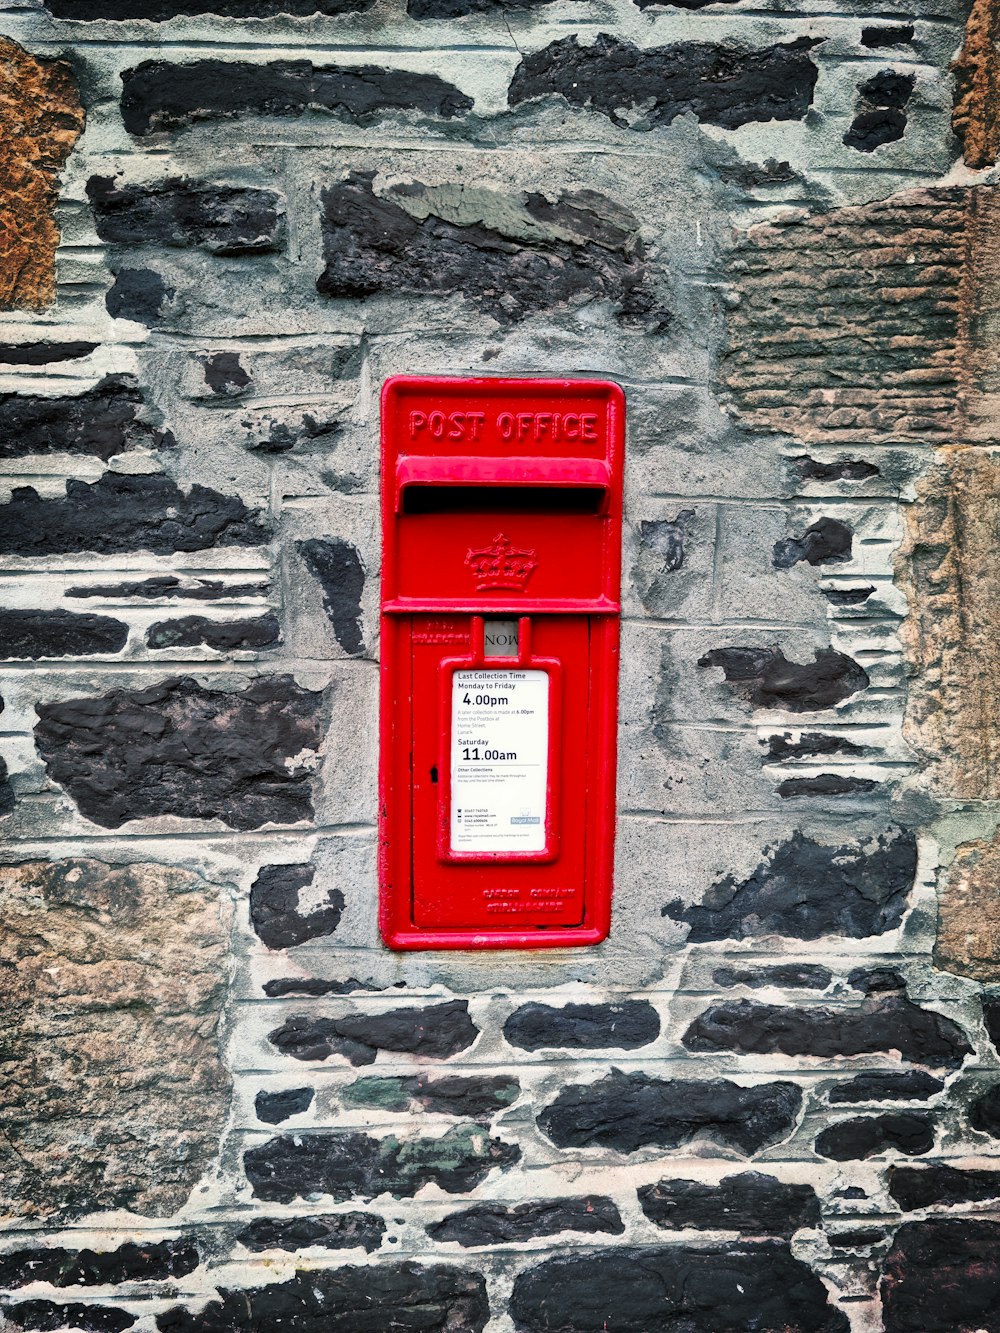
(516, 470)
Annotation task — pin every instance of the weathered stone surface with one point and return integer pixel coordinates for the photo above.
(224, 374)
(826, 784)
(752, 1203)
(337, 567)
(160, 95)
(500, 255)
(892, 1087)
(41, 118)
(329, 1231)
(122, 513)
(436, 1032)
(113, 1093)
(106, 420)
(801, 976)
(781, 749)
(48, 1315)
(968, 938)
(158, 11)
(625, 1026)
(654, 1290)
(161, 586)
(274, 1107)
(910, 1132)
(825, 542)
(766, 678)
(222, 635)
(225, 220)
(7, 798)
(852, 469)
(883, 1023)
(387, 1296)
(59, 634)
(976, 116)
(282, 986)
(148, 1262)
(44, 353)
(942, 1276)
(895, 35)
(177, 748)
(915, 1187)
(806, 889)
(477, 1095)
(449, 9)
(139, 294)
(493, 1224)
(848, 596)
(984, 1113)
(881, 118)
(348, 1164)
(991, 1018)
(274, 907)
(721, 85)
(631, 1111)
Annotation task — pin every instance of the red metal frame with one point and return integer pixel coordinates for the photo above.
(429, 598)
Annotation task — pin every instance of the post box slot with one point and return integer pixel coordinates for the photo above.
(492, 499)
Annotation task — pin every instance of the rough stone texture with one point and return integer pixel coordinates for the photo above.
(915, 1187)
(942, 1276)
(353, 1164)
(968, 938)
(139, 294)
(806, 889)
(907, 1132)
(910, 1084)
(490, 1224)
(222, 635)
(332, 1231)
(795, 976)
(59, 634)
(984, 1113)
(751, 1203)
(179, 749)
(630, 1111)
(44, 1315)
(113, 1091)
(975, 118)
(624, 1026)
(338, 568)
(275, 1107)
(158, 11)
(699, 1291)
(274, 907)
(478, 1096)
(43, 353)
(825, 542)
(391, 1296)
(158, 95)
(765, 678)
(41, 118)
(105, 420)
(169, 586)
(224, 221)
(436, 1032)
(720, 85)
(152, 1261)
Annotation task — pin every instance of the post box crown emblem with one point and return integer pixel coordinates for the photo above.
(501, 565)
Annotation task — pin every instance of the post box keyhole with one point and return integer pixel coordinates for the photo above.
(434, 773)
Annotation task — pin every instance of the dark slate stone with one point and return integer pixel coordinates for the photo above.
(766, 678)
(752, 1203)
(7, 798)
(991, 1019)
(149, 1262)
(121, 513)
(139, 294)
(222, 635)
(897, 35)
(984, 1113)
(47, 1315)
(675, 1289)
(826, 784)
(348, 1164)
(876, 980)
(794, 976)
(160, 586)
(943, 1276)
(177, 748)
(158, 11)
(806, 889)
(101, 422)
(681, 4)
(373, 246)
(274, 907)
(330, 1231)
(224, 375)
(782, 749)
(477, 1096)
(885, 1023)
(754, 175)
(223, 219)
(666, 538)
(720, 85)
(927, 1186)
(274, 1107)
(319, 986)
(825, 542)
(384, 1298)
(44, 353)
(59, 634)
(161, 95)
(436, 1032)
(888, 88)
(849, 469)
(454, 9)
(908, 1084)
(631, 1111)
(625, 1026)
(910, 1132)
(877, 126)
(339, 570)
(861, 1239)
(848, 596)
(493, 1224)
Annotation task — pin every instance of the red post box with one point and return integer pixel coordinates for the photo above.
(501, 513)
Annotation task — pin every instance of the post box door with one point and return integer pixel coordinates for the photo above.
(499, 776)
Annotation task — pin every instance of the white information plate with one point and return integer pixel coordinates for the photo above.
(499, 760)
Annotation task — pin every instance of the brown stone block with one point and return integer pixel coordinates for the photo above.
(968, 940)
(976, 116)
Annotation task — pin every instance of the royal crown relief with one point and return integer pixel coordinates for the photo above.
(501, 566)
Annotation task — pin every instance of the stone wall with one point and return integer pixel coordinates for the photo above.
(771, 1100)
